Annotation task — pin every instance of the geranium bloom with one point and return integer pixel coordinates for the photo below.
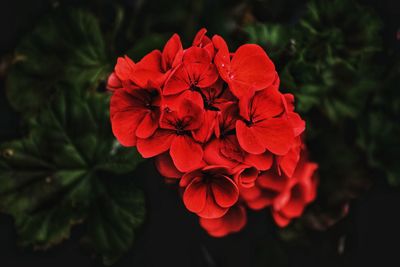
(209, 192)
(249, 70)
(135, 113)
(175, 134)
(215, 122)
(195, 72)
(262, 127)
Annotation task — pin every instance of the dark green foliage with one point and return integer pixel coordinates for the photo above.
(67, 172)
(379, 133)
(66, 49)
(69, 169)
(328, 57)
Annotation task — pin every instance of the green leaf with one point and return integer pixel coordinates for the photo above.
(65, 50)
(54, 178)
(111, 225)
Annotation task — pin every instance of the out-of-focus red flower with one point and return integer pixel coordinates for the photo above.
(209, 192)
(286, 196)
(233, 221)
(299, 192)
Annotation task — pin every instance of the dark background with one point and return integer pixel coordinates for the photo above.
(172, 237)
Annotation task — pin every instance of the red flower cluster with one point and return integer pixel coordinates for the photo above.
(217, 121)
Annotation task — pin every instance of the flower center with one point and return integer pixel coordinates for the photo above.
(180, 128)
(249, 123)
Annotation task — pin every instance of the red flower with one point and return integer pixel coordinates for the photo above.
(233, 221)
(135, 113)
(263, 128)
(267, 187)
(286, 196)
(225, 150)
(209, 192)
(195, 72)
(175, 135)
(299, 192)
(249, 70)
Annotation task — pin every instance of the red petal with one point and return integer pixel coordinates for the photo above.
(236, 218)
(142, 77)
(282, 199)
(186, 153)
(203, 134)
(124, 128)
(213, 156)
(199, 37)
(274, 134)
(211, 225)
(158, 143)
(247, 177)
(288, 162)
(124, 68)
(262, 161)
(196, 55)
(297, 123)
(222, 59)
(267, 104)
(202, 74)
(166, 167)
(177, 82)
(261, 202)
(191, 114)
(173, 102)
(172, 52)
(294, 208)
(113, 82)
(280, 220)
(248, 140)
(272, 181)
(252, 66)
(231, 149)
(211, 208)
(195, 195)
(189, 176)
(151, 61)
(225, 191)
(289, 99)
(250, 194)
(126, 114)
(148, 125)
(233, 221)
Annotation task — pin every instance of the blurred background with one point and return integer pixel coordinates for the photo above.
(340, 59)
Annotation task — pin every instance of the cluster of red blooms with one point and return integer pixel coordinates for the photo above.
(215, 121)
